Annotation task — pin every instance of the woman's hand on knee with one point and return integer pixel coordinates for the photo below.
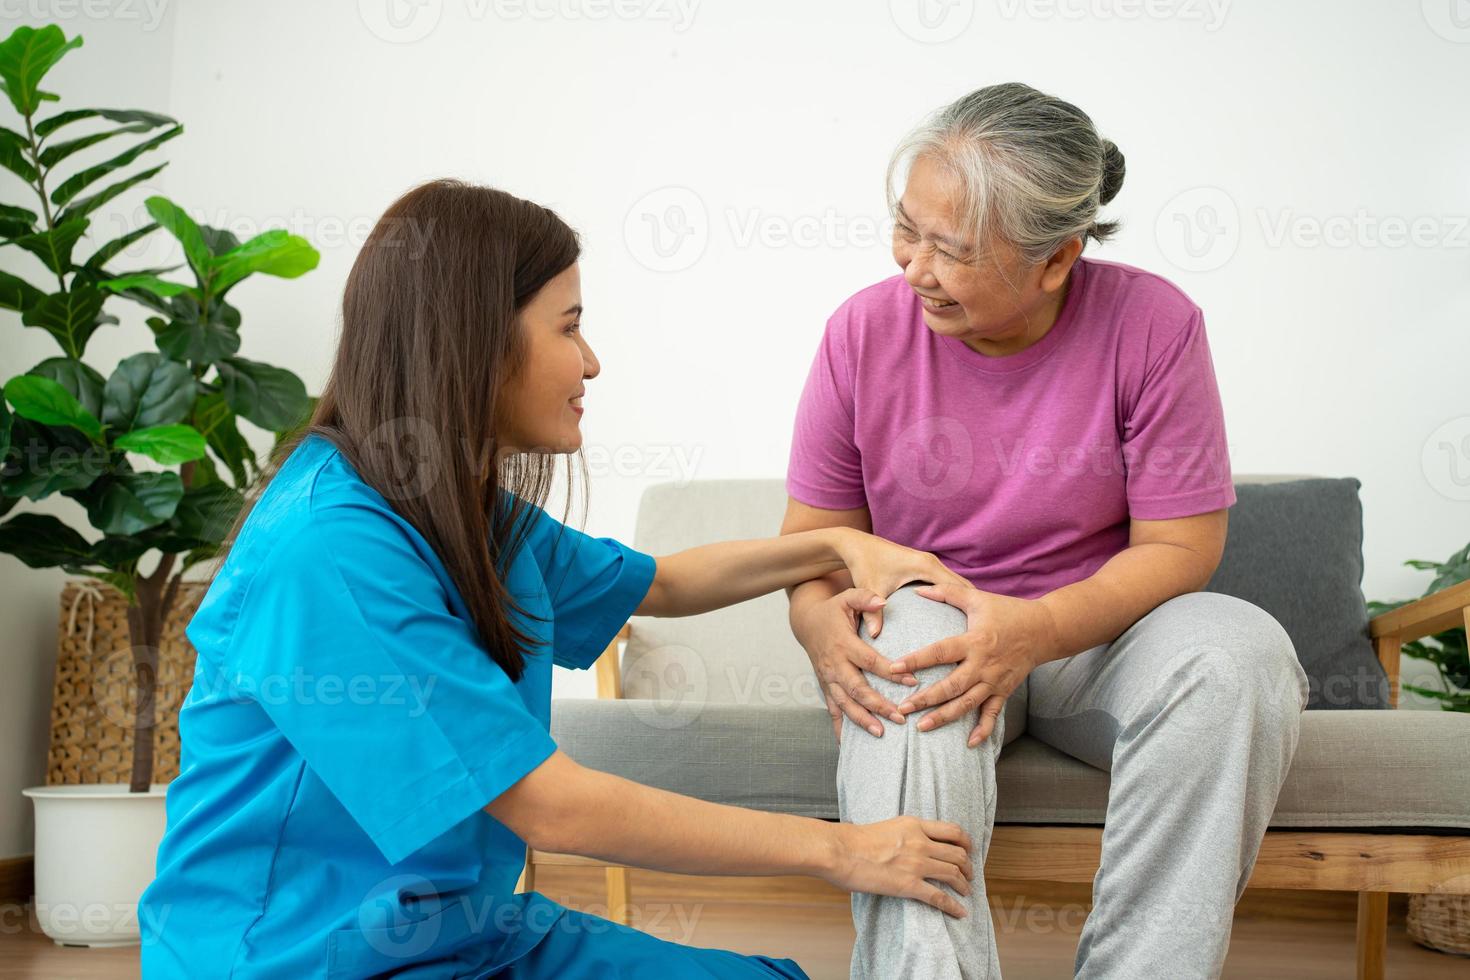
(1005, 639)
(904, 857)
(828, 633)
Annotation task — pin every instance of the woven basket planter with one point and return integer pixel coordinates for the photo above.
(1441, 922)
(92, 706)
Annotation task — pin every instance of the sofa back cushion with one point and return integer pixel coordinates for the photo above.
(1294, 549)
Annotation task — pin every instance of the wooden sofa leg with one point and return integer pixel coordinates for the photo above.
(528, 875)
(619, 895)
(1372, 934)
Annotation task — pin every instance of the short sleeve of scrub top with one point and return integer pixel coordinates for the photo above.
(355, 596)
(583, 577)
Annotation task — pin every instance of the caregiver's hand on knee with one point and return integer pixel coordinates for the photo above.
(1005, 639)
(827, 630)
(566, 808)
(877, 565)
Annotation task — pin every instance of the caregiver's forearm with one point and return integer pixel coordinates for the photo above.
(713, 576)
(1099, 608)
(567, 808)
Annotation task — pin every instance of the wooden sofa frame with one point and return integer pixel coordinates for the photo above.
(1371, 864)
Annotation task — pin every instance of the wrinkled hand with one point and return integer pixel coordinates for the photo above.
(881, 566)
(901, 856)
(828, 632)
(1005, 639)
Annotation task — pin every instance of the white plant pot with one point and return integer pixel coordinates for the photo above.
(95, 853)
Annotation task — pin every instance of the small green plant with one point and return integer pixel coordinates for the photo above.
(67, 429)
(1446, 650)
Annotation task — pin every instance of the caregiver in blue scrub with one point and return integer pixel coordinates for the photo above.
(365, 746)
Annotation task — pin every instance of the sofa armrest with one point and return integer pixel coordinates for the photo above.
(609, 672)
(1425, 616)
(1431, 614)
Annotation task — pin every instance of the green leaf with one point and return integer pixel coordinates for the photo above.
(152, 284)
(126, 503)
(45, 459)
(213, 417)
(43, 400)
(147, 390)
(15, 222)
(181, 226)
(5, 426)
(271, 397)
(25, 57)
(153, 120)
(206, 513)
(14, 155)
(71, 317)
(83, 382)
(104, 254)
(219, 240)
(202, 473)
(86, 205)
(122, 581)
(274, 253)
(118, 549)
(77, 182)
(54, 247)
(42, 541)
(198, 555)
(17, 294)
(57, 152)
(167, 444)
(188, 338)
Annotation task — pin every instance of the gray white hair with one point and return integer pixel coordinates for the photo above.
(1031, 167)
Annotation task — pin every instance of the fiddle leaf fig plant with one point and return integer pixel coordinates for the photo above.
(1445, 649)
(141, 448)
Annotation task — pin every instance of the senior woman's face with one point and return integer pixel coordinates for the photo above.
(981, 293)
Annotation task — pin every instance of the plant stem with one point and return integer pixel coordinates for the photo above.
(145, 630)
(154, 601)
(40, 188)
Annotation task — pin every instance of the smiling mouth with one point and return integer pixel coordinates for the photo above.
(936, 305)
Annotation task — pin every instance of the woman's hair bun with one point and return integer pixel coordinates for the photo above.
(1112, 172)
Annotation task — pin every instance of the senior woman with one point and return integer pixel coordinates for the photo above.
(1050, 426)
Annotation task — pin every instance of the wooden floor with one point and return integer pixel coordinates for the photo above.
(1276, 934)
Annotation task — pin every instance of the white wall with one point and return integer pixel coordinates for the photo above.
(1335, 358)
(126, 62)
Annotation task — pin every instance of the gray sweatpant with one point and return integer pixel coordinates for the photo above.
(1194, 710)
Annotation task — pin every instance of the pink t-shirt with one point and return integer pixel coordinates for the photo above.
(1019, 472)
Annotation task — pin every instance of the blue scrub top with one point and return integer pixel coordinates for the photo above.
(345, 730)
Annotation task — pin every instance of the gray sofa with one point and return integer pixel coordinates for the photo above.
(723, 706)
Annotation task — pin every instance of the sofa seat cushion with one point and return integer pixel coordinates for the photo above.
(1354, 769)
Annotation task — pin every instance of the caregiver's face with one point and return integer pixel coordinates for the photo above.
(544, 400)
(981, 293)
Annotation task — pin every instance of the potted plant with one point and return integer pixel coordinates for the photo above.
(137, 448)
(1440, 922)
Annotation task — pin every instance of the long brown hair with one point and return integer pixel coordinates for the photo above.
(429, 341)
